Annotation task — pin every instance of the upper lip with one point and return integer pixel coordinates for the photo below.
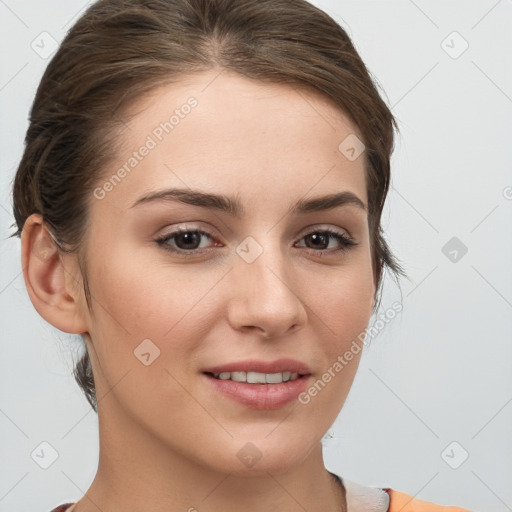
(254, 365)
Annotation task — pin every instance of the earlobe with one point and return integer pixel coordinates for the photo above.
(50, 285)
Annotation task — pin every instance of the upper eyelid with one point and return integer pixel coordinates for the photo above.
(311, 227)
(304, 232)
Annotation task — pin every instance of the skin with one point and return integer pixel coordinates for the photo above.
(168, 441)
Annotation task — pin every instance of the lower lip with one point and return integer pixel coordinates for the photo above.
(261, 396)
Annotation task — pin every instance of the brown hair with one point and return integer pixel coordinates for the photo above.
(120, 49)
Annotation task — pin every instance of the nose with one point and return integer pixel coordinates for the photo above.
(263, 298)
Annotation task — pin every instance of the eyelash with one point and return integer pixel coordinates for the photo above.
(345, 241)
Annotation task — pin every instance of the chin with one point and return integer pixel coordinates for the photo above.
(246, 458)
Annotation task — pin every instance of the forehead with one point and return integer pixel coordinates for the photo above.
(219, 131)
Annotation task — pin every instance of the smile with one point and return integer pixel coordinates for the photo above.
(257, 377)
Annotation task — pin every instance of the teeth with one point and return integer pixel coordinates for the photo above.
(239, 376)
(257, 377)
(273, 378)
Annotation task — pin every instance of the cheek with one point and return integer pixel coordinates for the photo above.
(136, 300)
(343, 303)
(342, 298)
(149, 314)
(343, 308)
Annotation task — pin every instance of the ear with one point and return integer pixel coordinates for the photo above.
(51, 278)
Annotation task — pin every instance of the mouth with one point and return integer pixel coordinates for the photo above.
(253, 377)
(259, 385)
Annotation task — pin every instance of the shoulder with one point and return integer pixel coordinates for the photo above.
(362, 498)
(400, 501)
(66, 507)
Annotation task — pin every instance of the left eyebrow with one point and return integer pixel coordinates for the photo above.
(234, 207)
(329, 202)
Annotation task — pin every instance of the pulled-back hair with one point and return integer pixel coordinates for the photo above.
(121, 49)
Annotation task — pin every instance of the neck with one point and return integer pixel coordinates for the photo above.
(136, 472)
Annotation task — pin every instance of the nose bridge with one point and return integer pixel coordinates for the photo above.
(263, 263)
(264, 294)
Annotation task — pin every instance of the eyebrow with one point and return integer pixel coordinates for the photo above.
(234, 207)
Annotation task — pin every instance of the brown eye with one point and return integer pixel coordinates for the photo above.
(319, 240)
(185, 242)
(188, 240)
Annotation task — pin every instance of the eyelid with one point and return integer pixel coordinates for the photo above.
(188, 226)
(326, 227)
(342, 236)
(185, 227)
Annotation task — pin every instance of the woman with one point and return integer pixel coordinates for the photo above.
(200, 199)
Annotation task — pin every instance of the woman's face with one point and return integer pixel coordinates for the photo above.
(254, 285)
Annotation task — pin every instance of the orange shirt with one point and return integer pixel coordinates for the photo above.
(402, 502)
(363, 498)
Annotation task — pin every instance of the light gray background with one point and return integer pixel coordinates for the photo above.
(439, 372)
